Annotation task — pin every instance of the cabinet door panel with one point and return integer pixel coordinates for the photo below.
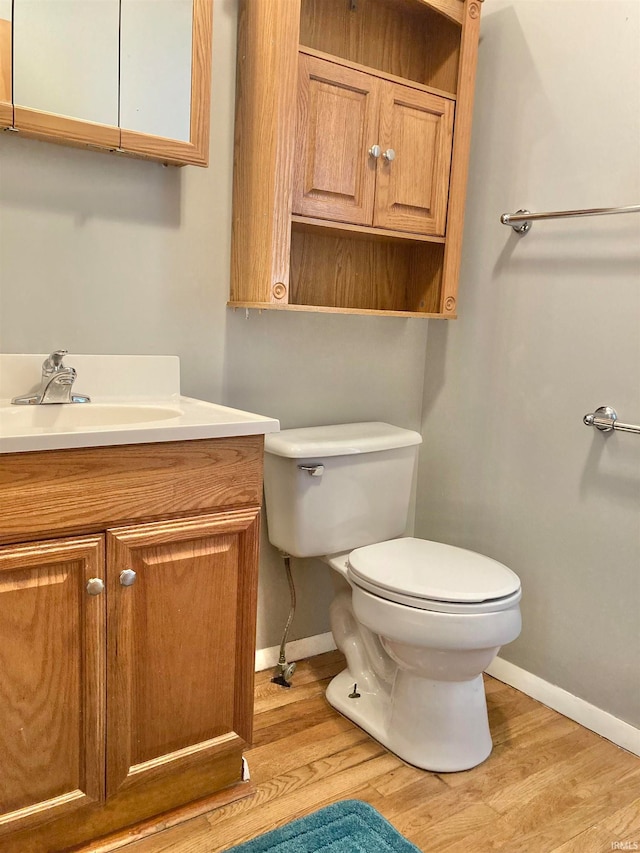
(337, 124)
(6, 64)
(412, 189)
(52, 689)
(181, 643)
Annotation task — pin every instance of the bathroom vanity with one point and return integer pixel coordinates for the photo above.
(128, 579)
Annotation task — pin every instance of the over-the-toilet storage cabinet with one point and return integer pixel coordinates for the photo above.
(353, 122)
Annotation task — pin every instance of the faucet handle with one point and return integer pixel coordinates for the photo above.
(54, 361)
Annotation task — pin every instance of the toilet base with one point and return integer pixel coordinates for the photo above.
(440, 726)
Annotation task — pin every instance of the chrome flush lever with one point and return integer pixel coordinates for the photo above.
(313, 470)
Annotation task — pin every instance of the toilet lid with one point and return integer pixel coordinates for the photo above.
(431, 571)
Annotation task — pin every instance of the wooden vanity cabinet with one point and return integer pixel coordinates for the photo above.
(353, 125)
(127, 695)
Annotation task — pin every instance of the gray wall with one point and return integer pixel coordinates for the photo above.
(107, 255)
(101, 254)
(549, 329)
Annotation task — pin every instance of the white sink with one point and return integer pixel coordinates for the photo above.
(134, 400)
(21, 420)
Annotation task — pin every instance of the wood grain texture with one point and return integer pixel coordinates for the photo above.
(181, 643)
(108, 486)
(348, 272)
(49, 126)
(565, 789)
(279, 263)
(412, 190)
(195, 152)
(202, 36)
(37, 124)
(334, 176)
(6, 62)
(52, 689)
(143, 802)
(328, 309)
(398, 37)
(264, 149)
(364, 232)
(460, 156)
(6, 115)
(374, 72)
(452, 9)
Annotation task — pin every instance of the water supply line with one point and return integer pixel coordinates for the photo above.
(284, 670)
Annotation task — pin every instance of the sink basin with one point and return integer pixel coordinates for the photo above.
(134, 400)
(17, 420)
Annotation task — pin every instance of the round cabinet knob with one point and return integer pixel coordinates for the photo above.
(95, 586)
(389, 155)
(128, 577)
(375, 151)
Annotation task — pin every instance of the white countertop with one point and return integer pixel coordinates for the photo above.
(134, 400)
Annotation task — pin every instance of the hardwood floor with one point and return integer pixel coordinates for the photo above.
(550, 786)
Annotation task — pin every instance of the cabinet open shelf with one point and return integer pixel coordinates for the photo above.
(404, 38)
(350, 271)
(376, 72)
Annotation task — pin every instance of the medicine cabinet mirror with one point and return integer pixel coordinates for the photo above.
(130, 76)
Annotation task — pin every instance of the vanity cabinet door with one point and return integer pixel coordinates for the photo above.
(52, 680)
(337, 124)
(181, 646)
(6, 63)
(412, 188)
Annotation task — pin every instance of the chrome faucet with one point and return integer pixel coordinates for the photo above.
(55, 385)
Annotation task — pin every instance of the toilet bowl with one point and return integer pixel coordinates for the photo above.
(418, 621)
(416, 661)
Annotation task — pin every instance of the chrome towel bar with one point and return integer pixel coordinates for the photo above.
(606, 420)
(522, 220)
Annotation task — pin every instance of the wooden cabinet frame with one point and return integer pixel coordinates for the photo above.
(189, 506)
(279, 259)
(66, 130)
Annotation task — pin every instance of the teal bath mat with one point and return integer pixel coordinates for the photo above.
(347, 827)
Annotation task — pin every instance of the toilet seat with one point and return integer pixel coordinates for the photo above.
(433, 576)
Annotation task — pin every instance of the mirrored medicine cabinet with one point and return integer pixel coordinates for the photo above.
(129, 76)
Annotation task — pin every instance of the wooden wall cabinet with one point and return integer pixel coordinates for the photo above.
(371, 152)
(121, 703)
(125, 76)
(353, 125)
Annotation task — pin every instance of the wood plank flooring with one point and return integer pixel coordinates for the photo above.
(550, 786)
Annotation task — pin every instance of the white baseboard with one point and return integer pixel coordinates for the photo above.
(296, 650)
(599, 721)
(593, 718)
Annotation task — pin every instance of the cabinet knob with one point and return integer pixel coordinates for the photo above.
(95, 586)
(127, 577)
(375, 151)
(389, 155)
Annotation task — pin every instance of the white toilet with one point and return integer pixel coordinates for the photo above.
(417, 621)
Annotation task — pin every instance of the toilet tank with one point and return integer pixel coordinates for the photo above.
(335, 488)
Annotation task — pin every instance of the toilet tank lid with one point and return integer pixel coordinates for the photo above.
(339, 440)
